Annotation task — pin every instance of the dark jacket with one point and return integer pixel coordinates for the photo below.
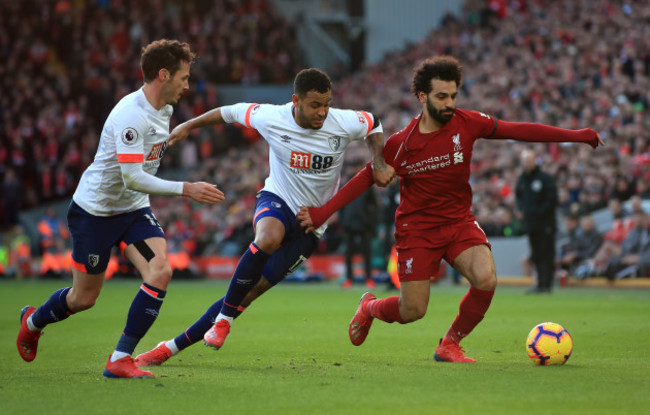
(536, 195)
(587, 243)
(361, 214)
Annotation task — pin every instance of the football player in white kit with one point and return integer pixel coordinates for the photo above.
(307, 140)
(111, 208)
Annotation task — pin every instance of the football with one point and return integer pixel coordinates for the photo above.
(549, 344)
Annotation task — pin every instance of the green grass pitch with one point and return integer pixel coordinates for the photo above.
(289, 353)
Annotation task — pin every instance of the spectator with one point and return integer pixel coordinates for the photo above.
(622, 222)
(568, 251)
(643, 188)
(359, 221)
(583, 243)
(537, 200)
(635, 245)
(636, 204)
(617, 241)
(588, 240)
(623, 188)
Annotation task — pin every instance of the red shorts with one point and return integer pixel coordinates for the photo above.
(433, 245)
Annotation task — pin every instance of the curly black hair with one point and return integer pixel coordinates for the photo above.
(445, 68)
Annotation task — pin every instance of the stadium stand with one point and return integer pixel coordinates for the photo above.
(572, 64)
(65, 63)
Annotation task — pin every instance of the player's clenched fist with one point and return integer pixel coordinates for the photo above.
(203, 192)
(383, 173)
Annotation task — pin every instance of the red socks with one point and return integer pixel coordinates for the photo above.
(471, 311)
(385, 309)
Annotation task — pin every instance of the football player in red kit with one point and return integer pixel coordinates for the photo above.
(434, 220)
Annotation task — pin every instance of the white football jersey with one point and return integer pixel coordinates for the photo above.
(305, 164)
(134, 132)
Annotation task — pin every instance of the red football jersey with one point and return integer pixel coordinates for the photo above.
(434, 170)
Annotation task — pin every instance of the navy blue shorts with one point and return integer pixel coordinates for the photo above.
(296, 246)
(93, 237)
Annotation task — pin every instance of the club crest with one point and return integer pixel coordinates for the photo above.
(456, 141)
(409, 266)
(93, 260)
(335, 142)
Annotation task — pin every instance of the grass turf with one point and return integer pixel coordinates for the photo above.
(289, 354)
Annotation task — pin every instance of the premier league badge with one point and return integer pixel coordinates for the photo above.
(129, 136)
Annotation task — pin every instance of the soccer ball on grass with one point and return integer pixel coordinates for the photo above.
(549, 344)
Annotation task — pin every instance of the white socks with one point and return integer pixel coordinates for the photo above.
(222, 317)
(171, 345)
(118, 355)
(31, 326)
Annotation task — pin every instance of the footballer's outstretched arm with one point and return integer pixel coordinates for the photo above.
(180, 133)
(311, 218)
(540, 133)
(135, 178)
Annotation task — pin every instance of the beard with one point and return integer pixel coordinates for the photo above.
(442, 116)
(311, 123)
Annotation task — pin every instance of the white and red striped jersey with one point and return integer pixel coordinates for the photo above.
(305, 164)
(134, 132)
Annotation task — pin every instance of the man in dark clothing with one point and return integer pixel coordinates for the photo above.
(537, 199)
(568, 257)
(359, 221)
(583, 244)
(588, 239)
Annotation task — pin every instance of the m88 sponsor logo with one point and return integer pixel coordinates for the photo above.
(310, 161)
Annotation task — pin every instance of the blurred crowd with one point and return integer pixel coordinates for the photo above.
(572, 64)
(66, 62)
(622, 251)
